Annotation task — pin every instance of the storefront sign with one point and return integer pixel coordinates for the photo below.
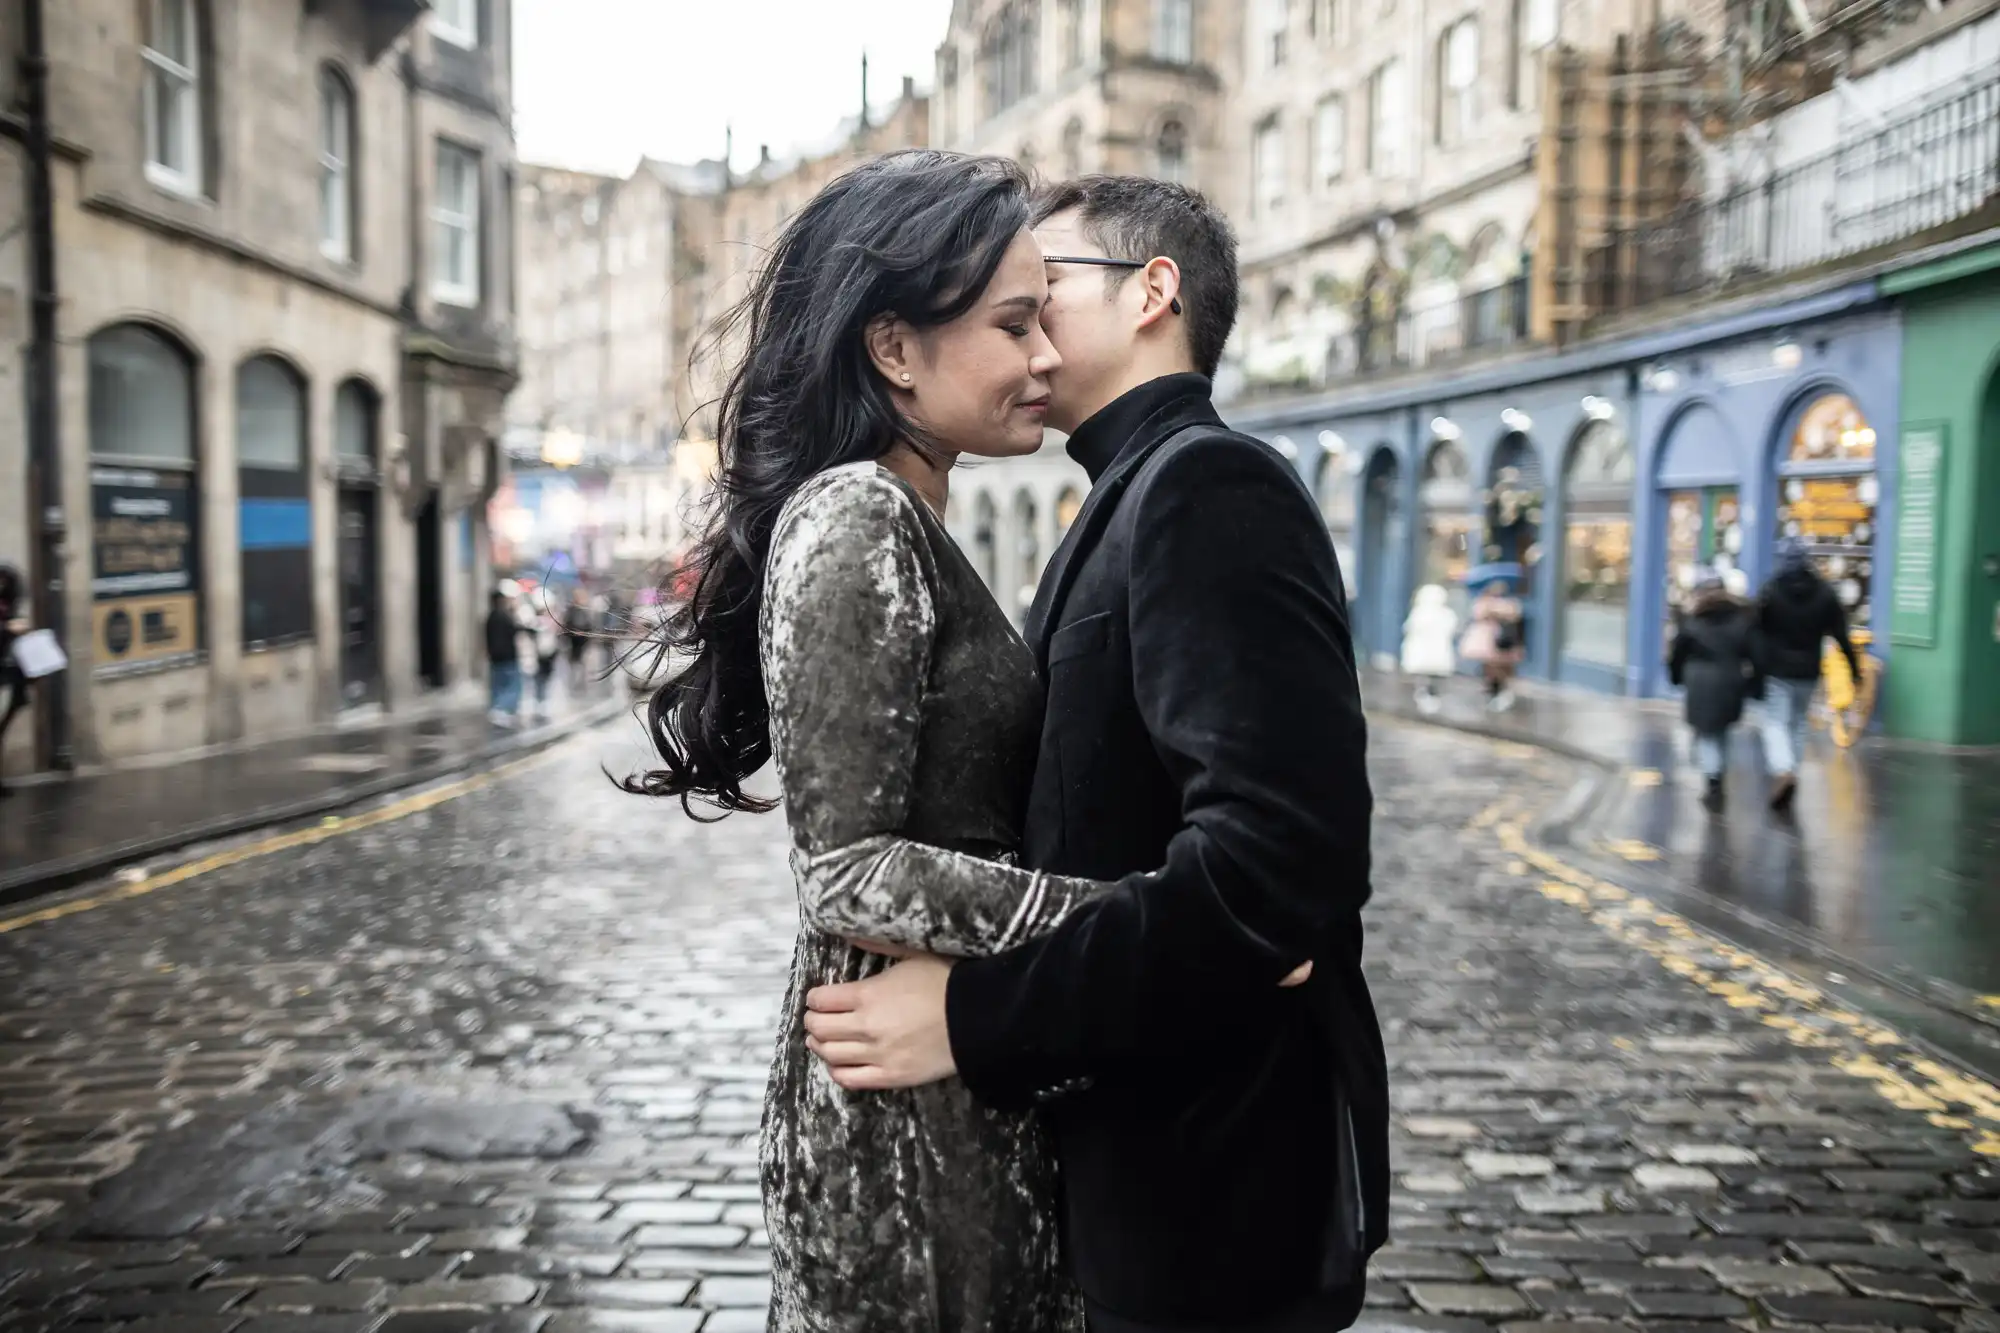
(1913, 606)
(145, 608)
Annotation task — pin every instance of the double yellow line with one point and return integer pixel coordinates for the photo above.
(331, 827)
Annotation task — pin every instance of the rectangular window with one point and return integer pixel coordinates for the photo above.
(1173, 31)
(1458, 82)
(1268, 167)
(455, 226)
(1537, 24)
(1277, 23)
(1388, 125)
(456, 21)
(172, 94)
(1330, 140)
(336, 165)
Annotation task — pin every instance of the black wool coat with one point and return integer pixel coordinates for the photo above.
(1223, 1143)
(1713, 661)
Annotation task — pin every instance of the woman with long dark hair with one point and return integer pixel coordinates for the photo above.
(835, 626)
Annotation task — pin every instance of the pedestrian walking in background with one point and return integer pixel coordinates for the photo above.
(546, 644)
(503, 659)
(1712, 662)
(579, 624)
(1796, 613)
(1494, 641)
(1430, 644)
(13, 624)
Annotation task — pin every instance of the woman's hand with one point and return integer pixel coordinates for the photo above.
(1298, 975)
(18, 625)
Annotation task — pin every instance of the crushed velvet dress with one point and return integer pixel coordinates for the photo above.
(905, 715)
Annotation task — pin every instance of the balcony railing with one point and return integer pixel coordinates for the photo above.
(1919, 171)
(1469, 324)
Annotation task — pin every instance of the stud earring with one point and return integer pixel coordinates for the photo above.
(1175, 305)
(906, 377)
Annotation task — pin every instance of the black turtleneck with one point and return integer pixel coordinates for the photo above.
(1122, 424)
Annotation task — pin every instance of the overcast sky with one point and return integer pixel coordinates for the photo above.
(599, 82)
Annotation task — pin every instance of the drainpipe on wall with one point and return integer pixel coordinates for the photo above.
(47, 523)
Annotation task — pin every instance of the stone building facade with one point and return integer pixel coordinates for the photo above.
(626, 282)
(285, 330)
(1069, 87)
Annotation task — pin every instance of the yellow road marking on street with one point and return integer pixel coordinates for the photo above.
(1902, 1075)
(330, 827)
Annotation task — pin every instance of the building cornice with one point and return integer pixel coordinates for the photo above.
(173, 229)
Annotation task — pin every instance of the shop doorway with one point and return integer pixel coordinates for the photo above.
(1379, 616)
(430, 595)
(360, 656)
(1704, 528)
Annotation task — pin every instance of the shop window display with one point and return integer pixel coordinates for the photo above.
(1827, 493)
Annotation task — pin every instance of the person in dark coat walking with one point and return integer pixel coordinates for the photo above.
(1796, 613)
(13, 624)
(1712, 662)
(503, 659)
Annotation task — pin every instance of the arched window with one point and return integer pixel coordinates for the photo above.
(145, 506)
(1069, 503)
(336, 165)
(1445, 498)
(172, 95)
(1827, 492)
(354, 424)
(986, 541)
(1173, 31)
(275, 534)
(1171, 153)
(1027, 549)
(1596, 571)
(1072, 148)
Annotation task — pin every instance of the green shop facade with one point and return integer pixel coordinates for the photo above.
(1943, 679)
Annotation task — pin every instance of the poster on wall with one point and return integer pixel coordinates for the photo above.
(144, 605)
(1913, 603)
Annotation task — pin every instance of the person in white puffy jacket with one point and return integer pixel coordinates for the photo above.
(1430, 643)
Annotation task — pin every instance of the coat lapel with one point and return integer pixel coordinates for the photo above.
(1082, 536)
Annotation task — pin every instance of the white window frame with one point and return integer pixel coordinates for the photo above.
(1330, 140)
(336, 167)
(180, 80)
(1388, 119)
(459, 215)
(457, 22)
(1267, 166)
(1173, 31)
(1274, 32)
(1458, 81)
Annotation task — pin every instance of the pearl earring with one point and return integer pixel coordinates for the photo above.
(906, 377)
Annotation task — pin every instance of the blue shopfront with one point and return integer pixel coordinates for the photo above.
(1611, 474)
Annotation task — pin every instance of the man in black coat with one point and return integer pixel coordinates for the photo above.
(1796, 613)
(1223, 1140)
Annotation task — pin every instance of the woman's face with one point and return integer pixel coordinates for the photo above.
(980, 384)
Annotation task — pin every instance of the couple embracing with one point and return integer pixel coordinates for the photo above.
(1123, 1072)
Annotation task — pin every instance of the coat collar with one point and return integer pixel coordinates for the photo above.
(1143, 420)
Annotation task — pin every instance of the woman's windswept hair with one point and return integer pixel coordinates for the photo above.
(917, 235)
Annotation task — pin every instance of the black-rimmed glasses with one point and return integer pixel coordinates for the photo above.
(1091, 259)
(1106, 263)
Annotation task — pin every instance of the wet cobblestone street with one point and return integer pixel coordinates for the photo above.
(493, 1057)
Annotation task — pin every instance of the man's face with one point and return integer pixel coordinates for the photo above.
(1087, 320)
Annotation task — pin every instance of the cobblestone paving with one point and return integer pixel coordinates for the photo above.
(498, 1064)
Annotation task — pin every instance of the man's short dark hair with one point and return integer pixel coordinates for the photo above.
(1137, 217)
